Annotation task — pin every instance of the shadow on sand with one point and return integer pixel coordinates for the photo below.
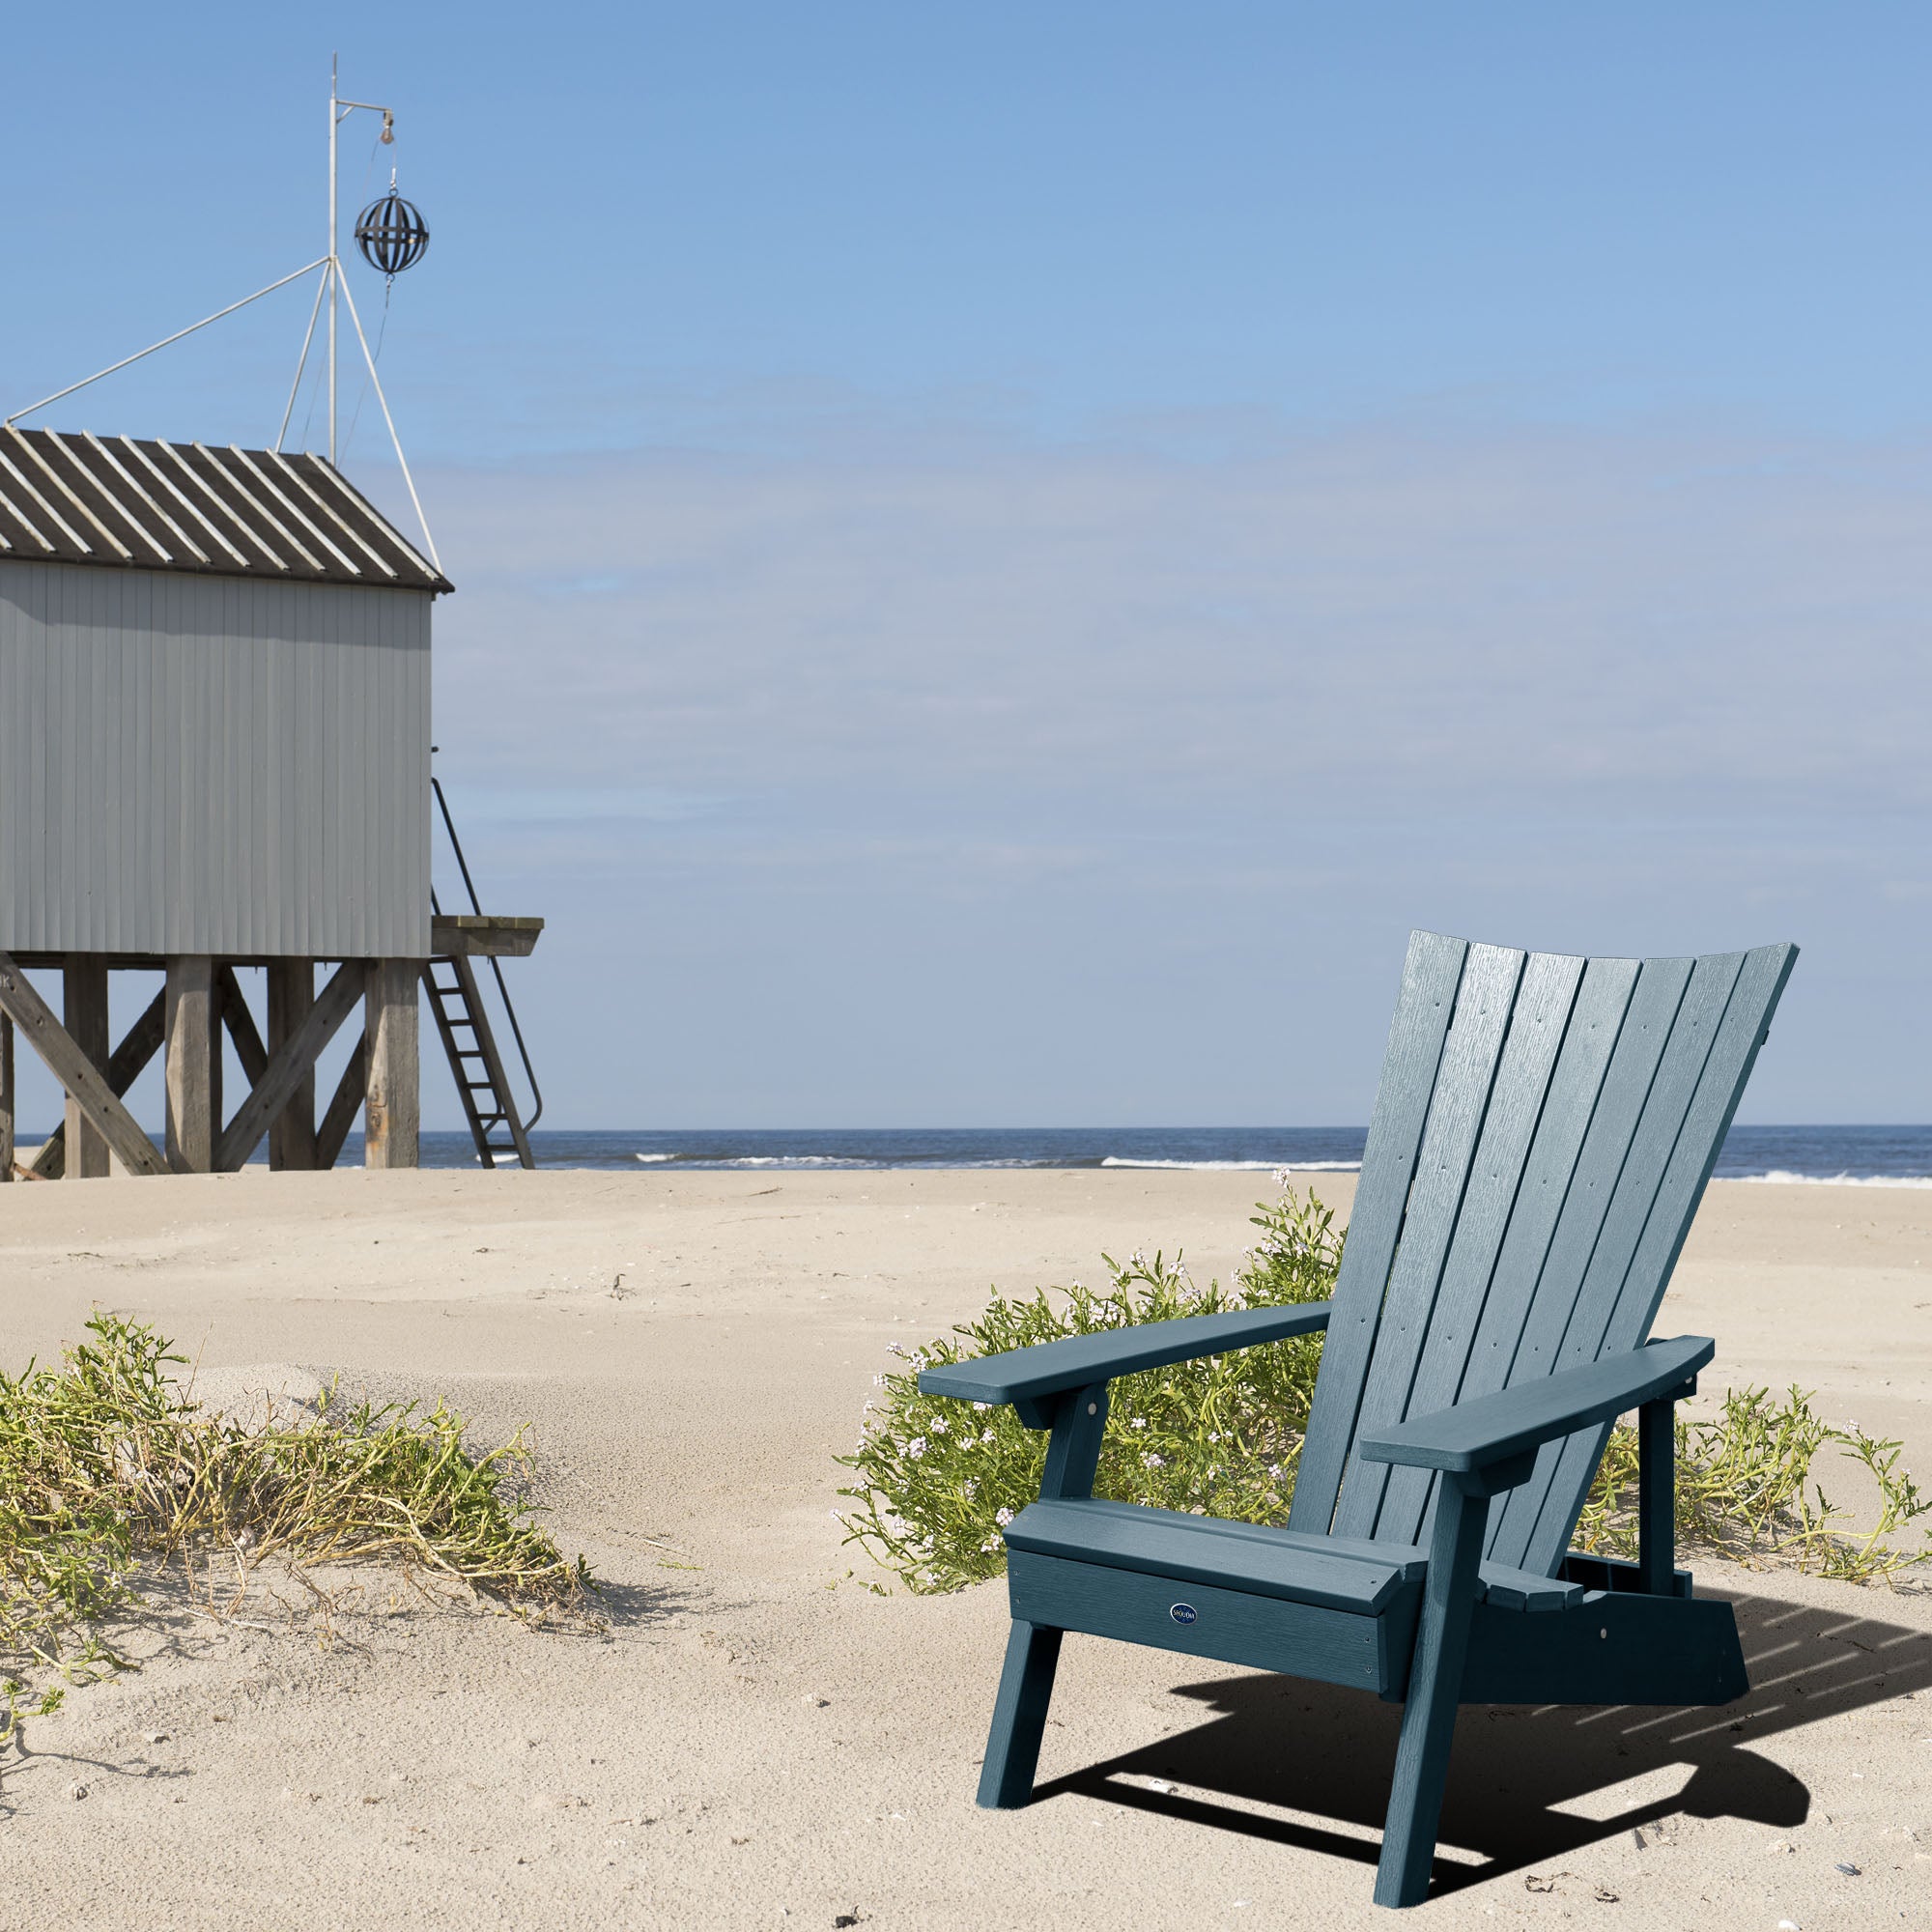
(1311, 1748)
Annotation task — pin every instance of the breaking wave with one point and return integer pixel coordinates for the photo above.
(1780, 1177)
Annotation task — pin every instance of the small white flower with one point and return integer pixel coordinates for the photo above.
(940, 1425)
(986, 1435)
(1003, 1517)
(1154, 1461)
(1140, 1422)
(983, 1407)
(916, 1448)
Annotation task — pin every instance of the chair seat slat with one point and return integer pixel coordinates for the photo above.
(1337, 1572)
(1204, 1549)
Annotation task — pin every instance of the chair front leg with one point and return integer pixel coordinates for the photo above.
(1019, 1717)
(1073, 1450)
(1032, 1649)
(1434, 1686)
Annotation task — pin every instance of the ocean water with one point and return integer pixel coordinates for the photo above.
(1879, 1157)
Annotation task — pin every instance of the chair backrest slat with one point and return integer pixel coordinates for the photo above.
(1549, 1199)
(1734, 1051)
(1430, 977)
(1472, 1273)
(1536, 1158)
(1561, 1310)
(1536, 1314)
(1470, 1058)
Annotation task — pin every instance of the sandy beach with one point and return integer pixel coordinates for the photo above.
(760, 1738)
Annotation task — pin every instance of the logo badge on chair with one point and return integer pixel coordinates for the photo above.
(1182, 1613)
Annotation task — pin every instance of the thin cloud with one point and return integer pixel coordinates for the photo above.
(1042, 783)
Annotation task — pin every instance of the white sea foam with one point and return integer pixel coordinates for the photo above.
(1240, 1166)
(759, 1159)
(1780, 1177)
(795, 1160)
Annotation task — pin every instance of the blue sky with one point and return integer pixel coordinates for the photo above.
(1005, 560)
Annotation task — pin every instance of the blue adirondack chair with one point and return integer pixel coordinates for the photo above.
(1541, 1140)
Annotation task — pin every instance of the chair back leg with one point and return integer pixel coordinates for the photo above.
(1434, 1690)
(1019, 1717)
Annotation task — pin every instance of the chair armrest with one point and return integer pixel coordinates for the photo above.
(1024, 1377)
(1516, 1422)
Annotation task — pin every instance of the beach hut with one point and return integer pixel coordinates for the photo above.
(215, 754)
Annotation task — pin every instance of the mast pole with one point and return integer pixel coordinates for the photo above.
(333, 273)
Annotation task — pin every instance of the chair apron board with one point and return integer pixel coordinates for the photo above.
(1543, 1134)
(1362, 1651)
(1596, 1636)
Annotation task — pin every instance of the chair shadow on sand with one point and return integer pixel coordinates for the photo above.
(1312, 1748)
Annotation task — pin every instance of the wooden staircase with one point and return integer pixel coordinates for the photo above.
(481, 1082)
(496, 1126)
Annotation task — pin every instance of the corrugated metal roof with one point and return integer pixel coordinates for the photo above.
(261, 513)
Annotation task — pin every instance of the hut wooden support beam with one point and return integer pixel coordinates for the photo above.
(292, 1063)
(291, 1141)
(6, 1100)
(193, 1066)
(392, 1092)
(85, 1084)
(84, 1011)
(201, 1006)
(141, 1044)
(239, 1023)
(344, 1105)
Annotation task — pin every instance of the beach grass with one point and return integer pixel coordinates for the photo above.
(110, 1469)
(1748, 1489)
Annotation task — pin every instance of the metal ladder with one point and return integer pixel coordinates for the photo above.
(482, 1082)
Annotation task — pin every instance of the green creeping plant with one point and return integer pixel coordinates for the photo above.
(935, 1482)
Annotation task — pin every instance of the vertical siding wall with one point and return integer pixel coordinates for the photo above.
(209, 764)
